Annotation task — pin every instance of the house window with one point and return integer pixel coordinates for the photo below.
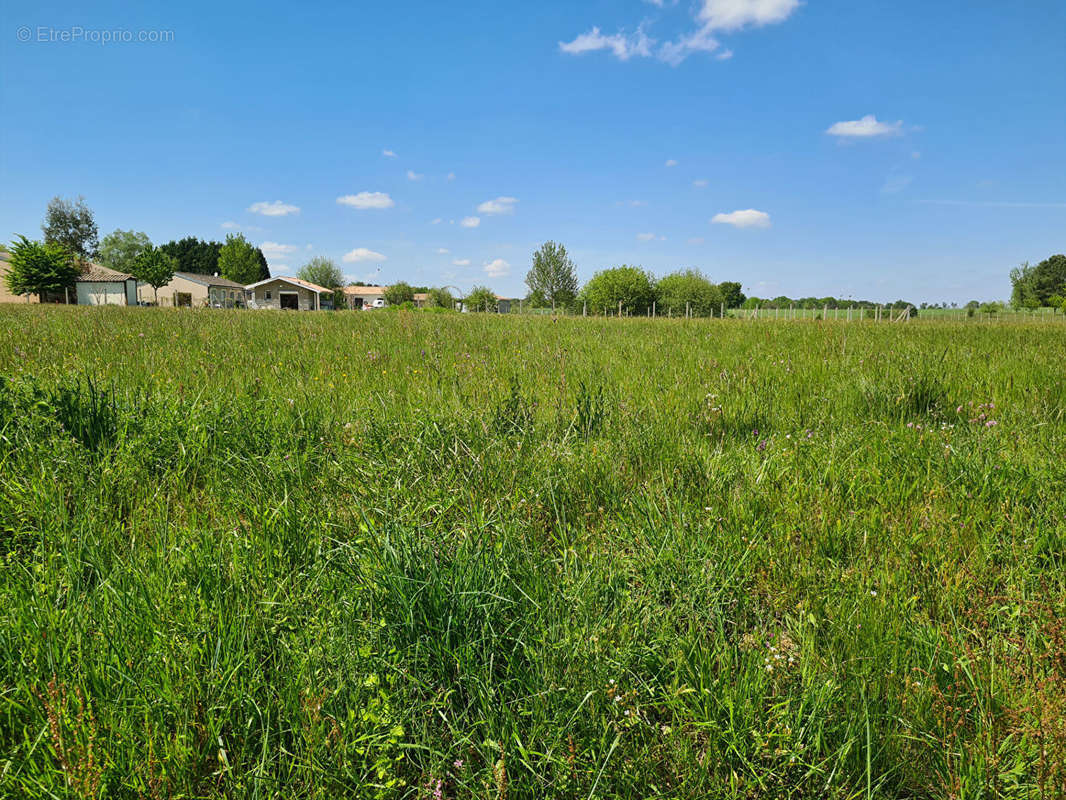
(268, 294)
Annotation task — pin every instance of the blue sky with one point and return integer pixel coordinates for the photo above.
(882, 150)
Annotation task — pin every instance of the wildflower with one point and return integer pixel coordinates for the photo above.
(873, 593)
(458, 763)
(991, 423)
(761, 446)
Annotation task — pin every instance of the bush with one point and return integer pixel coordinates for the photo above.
(631, 288)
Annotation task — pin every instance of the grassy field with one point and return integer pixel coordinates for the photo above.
(431, 556)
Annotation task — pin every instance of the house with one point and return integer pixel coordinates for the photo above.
(5, 295)
(503, 304)
(192, 290)
(288, 293)
(100, 286)
(360, 297)
(421, 299)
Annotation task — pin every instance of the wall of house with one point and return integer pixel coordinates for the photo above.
(106, 293)
(259, 297)
(5, 295)
(178, 284)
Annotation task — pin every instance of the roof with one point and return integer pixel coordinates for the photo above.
(314, 287)
(421, 295)
(98, 273)
(360, 290)
(209, 280)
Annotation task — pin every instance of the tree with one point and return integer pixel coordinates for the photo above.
(38, 268)
(552, 277)
(323, 271)
(689, 289)
(731, 294)
(632, 287)
(399, 293)
(238, 260)
(70, 223)
(194, 255)
(154, 267)
(1033, 287)
(441, 298)
(481, 298)
(264, 268)
(120, 249)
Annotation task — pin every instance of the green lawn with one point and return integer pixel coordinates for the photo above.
(251, 554)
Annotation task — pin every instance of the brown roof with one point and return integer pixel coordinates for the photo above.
(100, 274)
(364, 290)
(210, 280)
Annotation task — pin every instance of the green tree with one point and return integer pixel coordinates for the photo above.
(194, 255)
(37, 268)
(553, 277)
(154, 267)
(238, 260)
(481, 298)
(731, 294)
(399, 293)
(1034, 286)
(689, 289)
(323, 271)
(632, 287)
(71, 224)
(441, 298)
(120, 249)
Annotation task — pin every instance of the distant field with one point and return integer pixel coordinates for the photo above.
(416, 555)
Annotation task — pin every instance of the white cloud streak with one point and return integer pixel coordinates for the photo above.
(866, 128)
(501, 205)
(497, 268)
(274, 209)
(470, 222)
(365, 200)
(362, 254)
(746, 218)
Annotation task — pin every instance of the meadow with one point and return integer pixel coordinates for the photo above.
(414, 555)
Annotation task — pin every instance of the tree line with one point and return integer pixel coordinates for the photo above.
(71, 242)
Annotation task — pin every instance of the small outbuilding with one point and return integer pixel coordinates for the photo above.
(287, 293)
(100, 286)
(361, 297)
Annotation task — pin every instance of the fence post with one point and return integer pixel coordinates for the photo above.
(585, 308)
(653, 309)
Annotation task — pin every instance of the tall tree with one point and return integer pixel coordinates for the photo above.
(481, 298)
(632, 287)
(238, 260)
(120, 249)
(441, 298)
(689, 289)
(323, 271)
(38, 268)
(553, 276)
(71, 223)
(1034, 287)
(731, 294)
(399, 293)
(194, 255)
(155, 267)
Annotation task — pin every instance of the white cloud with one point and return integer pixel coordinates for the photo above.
(700, 183)
(275, 252)
(866, 128)
(470, 222)
(671, 162)
(501, 205)
(712, 17)
(365, 200)
(732, 15)
(414, 176)
(275, 209)
(230, 225)
(497, 268)
(443, 251)
(645, 237)
(461, 262)
(436, 221)
(696, 240)
(388, 154)
(451, 176)
(624, 46)
(747, 218)
(363, 254)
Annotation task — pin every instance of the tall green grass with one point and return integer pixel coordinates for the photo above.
(393, 555)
